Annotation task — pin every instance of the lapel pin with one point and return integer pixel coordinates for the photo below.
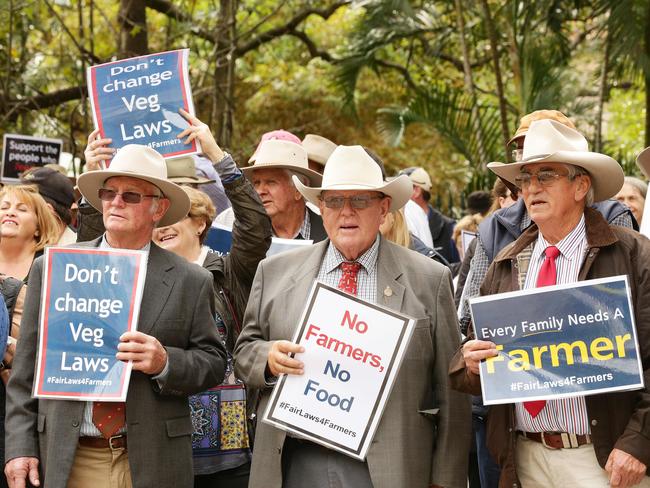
(388, 291)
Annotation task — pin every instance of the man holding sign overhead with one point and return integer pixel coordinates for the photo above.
(581, 441)
(176, 352)
(354, 200)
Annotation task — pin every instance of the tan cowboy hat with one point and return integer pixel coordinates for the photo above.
(182, 171)
(550, 141)
(143, 163)
(643, 162)
(351, 168)
(276, 153)
(318, 148)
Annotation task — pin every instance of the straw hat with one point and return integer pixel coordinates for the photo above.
(143, 163)
(550, 141)
(276, 153)
(351, 168)
(318, 148)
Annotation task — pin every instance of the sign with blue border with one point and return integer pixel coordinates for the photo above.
(90, 297)
(558, 341)
(136, 101)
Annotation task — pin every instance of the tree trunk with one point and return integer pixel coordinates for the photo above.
(602, 95)
(646, 76)
(497, 74)
(469, 83)
(223, 107)
(132, 19)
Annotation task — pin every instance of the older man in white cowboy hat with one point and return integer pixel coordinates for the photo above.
(608, 434)
(274, 163)
(353, 200)
(175, 352)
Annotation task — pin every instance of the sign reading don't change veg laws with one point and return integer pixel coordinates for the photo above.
(136, 101)
(559, 341)
(353, 350)
(89, 298)
(21, 153)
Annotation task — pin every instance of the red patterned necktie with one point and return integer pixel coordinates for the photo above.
(109, 417)
(547, 276)
(348, 281)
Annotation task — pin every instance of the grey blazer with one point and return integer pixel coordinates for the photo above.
(405, 452)
(177, 309)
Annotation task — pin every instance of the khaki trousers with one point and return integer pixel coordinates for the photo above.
(540, 467)
(100, 468)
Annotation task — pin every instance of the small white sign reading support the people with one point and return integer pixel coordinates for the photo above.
(353, 351)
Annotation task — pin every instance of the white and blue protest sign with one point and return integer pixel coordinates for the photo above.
(136, 101)
(21, 153)
(353, 351)
(219, 239)
(90, 297)
(558, 341)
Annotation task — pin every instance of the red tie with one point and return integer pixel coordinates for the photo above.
(109, 417)
(547, 276)
(348, 282)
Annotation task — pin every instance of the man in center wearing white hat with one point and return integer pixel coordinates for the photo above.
(354, 200)
(176, 351)
(588, 441)
(275, 162)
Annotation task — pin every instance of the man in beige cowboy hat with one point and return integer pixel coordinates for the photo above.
(354, 200)
(584, 441)
(319, 149)
(275, 162)
(175, 352)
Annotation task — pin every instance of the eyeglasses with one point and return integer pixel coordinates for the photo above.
(357, 202)
(544, 178)
(131, 197)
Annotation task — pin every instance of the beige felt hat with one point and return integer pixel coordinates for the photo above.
(183, 171)
(318, 148)
(419, 177)
(526, 120)
(643, 162)
(275, 153)
(351, 168)
(143, 163)
(550, 141)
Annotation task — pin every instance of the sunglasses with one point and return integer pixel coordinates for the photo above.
(131, 197)
(544, 178)
(357, 202)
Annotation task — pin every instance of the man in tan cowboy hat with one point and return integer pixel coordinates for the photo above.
(274, 163)
(176, 352)
(319, 149)
(354, 200)
(583, 441)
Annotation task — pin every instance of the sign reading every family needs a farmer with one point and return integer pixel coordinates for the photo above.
(21, 153)
(353, 350)
(89, 298)
(136, 101)
(558, 341)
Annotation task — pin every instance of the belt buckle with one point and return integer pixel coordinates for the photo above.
(110, 441)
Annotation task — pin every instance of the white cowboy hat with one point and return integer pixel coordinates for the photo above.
(318, 148)
(351, 168)
(643, 162)
(549, 141)
(275, 153)
(143, 163)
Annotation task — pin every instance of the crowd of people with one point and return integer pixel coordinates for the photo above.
(215, 330)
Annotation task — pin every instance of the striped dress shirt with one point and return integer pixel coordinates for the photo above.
(566, 414)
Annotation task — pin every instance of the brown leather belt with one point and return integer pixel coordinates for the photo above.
(558, 440)
(112, 443)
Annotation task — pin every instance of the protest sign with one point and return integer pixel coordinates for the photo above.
(466, 239)
(219, 239)
(21, 153)
(90, 297)
(558, 341)
(136, 101)
(353, 350)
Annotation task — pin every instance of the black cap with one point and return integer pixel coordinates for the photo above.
(51, 184)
